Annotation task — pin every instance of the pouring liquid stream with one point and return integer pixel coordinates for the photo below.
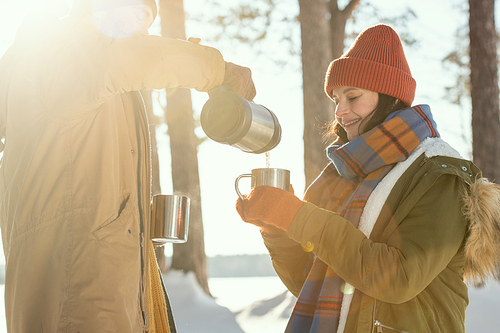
(268, 160)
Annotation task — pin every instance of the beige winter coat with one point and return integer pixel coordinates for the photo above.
(75, 173)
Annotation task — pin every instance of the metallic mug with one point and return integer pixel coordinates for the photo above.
(169, 219)
(279, 178)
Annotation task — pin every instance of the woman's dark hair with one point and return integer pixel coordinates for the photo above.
(385, 106)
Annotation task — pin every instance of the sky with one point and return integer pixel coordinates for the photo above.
(279, 89)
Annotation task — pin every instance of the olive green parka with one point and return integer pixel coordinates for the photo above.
(426, 220)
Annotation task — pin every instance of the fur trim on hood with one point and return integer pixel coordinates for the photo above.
(481, 207)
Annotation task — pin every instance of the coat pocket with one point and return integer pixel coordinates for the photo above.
(114, 223)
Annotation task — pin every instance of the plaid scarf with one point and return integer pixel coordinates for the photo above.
(344, 187)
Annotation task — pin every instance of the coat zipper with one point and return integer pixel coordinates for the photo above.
(140, 152)
(380, 326)
(376, 324)
(373, 315)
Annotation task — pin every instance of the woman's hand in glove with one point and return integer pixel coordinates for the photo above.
(265, 229)
(269, 206)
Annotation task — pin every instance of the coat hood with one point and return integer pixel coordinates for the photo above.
(481, 207)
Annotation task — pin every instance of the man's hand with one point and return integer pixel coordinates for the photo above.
(238, 79)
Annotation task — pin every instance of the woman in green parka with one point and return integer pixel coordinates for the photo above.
(390, 233)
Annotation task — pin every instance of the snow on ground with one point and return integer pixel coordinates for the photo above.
(483, 313)
(194, 310)
(245, 304)
(268, 315)
(262, 305)
(3, 323)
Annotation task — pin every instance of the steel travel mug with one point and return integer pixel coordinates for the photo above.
(169, 219)
(279, 178)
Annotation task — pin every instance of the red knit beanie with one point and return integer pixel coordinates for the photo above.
(375, 62)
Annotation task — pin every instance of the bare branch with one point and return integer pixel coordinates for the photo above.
(349, 8)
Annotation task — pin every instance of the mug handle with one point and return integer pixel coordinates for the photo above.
(236, 183)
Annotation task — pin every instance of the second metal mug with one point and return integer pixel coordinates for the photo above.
(266, 176)
(169, 219)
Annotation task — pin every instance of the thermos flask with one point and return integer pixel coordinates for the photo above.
(230, 119)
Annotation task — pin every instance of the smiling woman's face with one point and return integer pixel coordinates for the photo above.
(353, 105)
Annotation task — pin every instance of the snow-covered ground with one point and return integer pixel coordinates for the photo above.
(262, 305)
(256, 304)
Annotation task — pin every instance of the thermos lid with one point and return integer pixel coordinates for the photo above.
(225, 117)
(230, 119)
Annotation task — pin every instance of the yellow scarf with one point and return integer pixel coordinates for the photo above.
(158, 317)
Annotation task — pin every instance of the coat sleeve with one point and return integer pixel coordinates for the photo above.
(153, 62)
(426, 240)
(79, 74)
(291, 263)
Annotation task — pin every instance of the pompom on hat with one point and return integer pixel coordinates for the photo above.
(375, 62)
(85, 7)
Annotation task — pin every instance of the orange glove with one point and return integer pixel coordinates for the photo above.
(266, 229)
(238, 79)
(267, 206)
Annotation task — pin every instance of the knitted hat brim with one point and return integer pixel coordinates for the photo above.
(370, 75)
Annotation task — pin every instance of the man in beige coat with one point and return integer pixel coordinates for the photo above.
(75, 173)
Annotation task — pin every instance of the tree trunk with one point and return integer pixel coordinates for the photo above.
(183, 144)
(322, 41)
(318, 110)
(484, 88)
(338, 19)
